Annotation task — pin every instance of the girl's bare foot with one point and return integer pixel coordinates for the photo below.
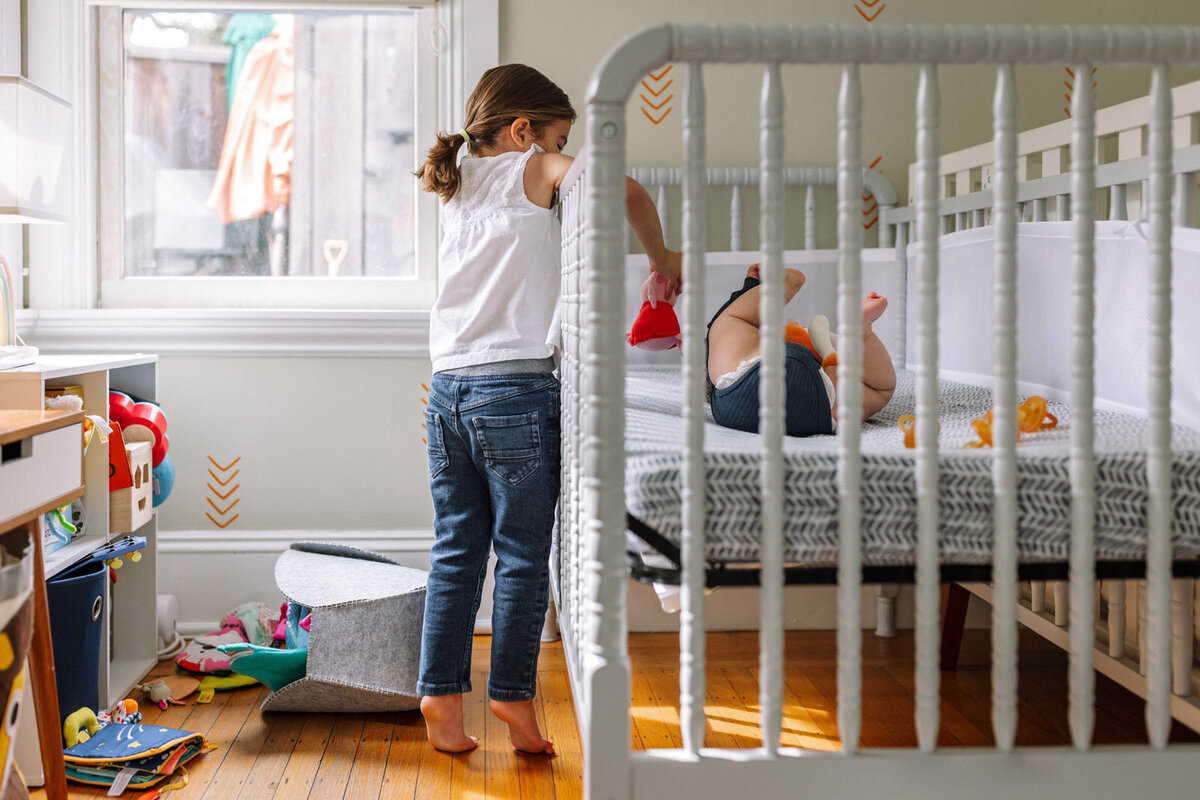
(444, 723)
(872, 309)
(522, 726)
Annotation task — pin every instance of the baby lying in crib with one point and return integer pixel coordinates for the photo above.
(810, 363)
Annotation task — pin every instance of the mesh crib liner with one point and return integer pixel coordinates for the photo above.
(654, 443)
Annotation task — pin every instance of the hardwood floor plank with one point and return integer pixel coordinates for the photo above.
(404, 757)
(561, 728)
(370, 762)
(535, 773)
(334, 773)
(240, 707)
(240, 754)
(502, 780)
(467, 776)
(301, 770)
(264, 776)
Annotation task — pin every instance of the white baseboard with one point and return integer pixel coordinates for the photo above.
(211, 573)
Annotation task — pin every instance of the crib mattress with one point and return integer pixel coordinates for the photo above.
(654, 461)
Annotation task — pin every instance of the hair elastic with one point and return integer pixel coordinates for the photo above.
(463, 133)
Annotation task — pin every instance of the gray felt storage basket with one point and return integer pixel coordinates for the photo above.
(364, 643)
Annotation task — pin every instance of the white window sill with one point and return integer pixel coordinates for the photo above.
(222, 332)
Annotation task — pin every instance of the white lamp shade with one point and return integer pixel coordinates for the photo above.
(35, 144)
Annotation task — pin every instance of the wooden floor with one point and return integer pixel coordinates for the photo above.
(325, 756)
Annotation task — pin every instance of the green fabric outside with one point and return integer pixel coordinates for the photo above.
(243, 32)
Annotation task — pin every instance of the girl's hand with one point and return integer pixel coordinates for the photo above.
(670, 266)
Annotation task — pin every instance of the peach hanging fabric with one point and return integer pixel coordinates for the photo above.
(254, 174)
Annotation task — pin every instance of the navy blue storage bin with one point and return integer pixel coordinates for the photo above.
(76, 599)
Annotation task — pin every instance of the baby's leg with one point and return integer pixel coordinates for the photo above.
(734, 337)
(879, 375)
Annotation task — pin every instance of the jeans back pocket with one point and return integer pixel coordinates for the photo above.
(435, 445)
(511, 444)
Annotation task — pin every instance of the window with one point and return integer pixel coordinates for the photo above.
(264, 160)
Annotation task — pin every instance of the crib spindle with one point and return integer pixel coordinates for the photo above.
(1039, 209)
(928, 598)
(664, 213)
(771, 418)
(735, 219)
(1118, 204)
(1158, 464)
(1185, 199)
(901, 308)
(1083, 463)
(1004, 467)
(691, 614)
(810, 217)
(850, 399)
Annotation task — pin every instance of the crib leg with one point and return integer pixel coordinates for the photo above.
(1141, 618)
(885, 609)
(1115, 593)
(955, 600)
(1062, 612)
(1181, 637)
(1037, 601)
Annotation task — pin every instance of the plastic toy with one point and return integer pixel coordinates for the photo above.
(1032, 416)
(656, 326)
(164, 480)
(129, 546)
(125, 712)
(59, 530)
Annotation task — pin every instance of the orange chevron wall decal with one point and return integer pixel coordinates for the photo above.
(657, 85)
(222, 481)
(1070, 84)
(871, 14)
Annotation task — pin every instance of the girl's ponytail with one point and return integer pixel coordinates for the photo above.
(502, 95)
(439, 174)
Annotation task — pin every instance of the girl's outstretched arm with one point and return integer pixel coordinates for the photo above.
(643, 218)
(545, 175)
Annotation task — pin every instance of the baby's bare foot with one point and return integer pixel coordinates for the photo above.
(522, 726)
(444, 723)
(872, 309)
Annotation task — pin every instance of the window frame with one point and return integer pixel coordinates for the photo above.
(115, 290)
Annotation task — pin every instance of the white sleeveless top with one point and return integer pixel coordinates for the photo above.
(499, 273)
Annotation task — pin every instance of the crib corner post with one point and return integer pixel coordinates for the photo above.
(606, 671)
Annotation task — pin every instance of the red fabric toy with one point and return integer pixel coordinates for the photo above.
(656, 326)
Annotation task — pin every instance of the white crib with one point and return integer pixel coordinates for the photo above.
(590, 570)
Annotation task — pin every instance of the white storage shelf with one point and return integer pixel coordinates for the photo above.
(129, 637)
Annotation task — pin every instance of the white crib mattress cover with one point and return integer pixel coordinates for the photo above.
(655, 453)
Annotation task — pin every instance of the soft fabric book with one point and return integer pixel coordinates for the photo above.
(135, 756)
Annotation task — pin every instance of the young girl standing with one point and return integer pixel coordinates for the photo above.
(493, 417)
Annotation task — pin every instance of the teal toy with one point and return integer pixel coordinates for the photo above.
(272, 667)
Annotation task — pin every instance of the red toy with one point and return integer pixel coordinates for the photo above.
(656, 326)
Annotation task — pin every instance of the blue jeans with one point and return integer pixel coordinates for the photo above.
(493, 444)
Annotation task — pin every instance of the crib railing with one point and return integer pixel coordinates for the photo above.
(1044, 152)
(742, 179)
(1120, 186)
(591, 567)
